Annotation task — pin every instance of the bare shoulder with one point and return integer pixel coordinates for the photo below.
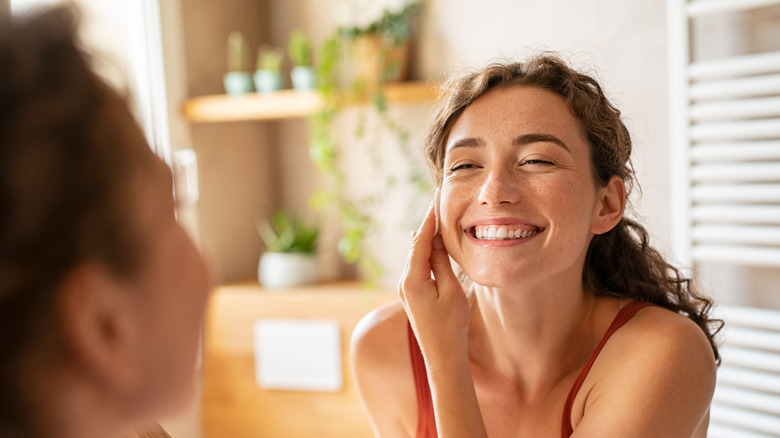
(662, 337)
(381, 335)
(382, 367)
(655, 377)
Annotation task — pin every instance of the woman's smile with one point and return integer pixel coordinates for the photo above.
(505, 231)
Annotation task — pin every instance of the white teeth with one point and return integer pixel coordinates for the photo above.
(493, 232)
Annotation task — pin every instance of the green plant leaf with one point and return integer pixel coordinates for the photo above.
(288, 233)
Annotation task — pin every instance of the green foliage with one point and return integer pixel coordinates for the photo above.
(269, 58)
(288, 233)
(299, 49)
(394, 26)
(237, 52)
(324, 150)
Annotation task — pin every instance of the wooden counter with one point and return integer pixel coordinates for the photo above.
(234, 406)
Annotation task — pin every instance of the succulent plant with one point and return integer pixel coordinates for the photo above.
(269, 58)
(299, 49)
(237, 52)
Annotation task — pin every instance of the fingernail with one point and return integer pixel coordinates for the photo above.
(438, 242)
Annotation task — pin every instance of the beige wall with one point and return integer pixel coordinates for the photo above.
(236, 160)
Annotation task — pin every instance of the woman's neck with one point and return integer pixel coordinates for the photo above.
(533, 336)
(63, 405)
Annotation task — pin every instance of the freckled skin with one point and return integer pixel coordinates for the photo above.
(502, 180)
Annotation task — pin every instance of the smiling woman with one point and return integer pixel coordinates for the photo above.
(562, 320)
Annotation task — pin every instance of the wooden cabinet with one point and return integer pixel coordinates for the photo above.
(235, 406)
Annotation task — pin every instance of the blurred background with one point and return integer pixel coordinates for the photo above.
(358, 176)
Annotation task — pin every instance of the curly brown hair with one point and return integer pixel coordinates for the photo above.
(620, 263)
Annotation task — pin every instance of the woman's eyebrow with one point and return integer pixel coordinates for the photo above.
(537, 138)
(470, 142)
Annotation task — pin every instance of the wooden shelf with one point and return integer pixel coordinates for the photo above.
(286, 104)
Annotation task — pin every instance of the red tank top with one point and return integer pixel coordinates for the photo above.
(426, 423)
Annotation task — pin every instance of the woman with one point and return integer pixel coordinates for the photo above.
(102, 293)
(565, 321)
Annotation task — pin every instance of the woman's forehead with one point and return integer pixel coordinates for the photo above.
(509, 112)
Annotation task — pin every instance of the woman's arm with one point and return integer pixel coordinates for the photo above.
(438, 310)
(382, 370)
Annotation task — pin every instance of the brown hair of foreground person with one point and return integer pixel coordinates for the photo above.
(621, 262)
(102, 293)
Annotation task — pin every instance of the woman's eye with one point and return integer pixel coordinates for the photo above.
(537, 161)
(462, 166)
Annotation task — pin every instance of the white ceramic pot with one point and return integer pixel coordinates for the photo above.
(237, 82)
(268, 81)
(278, 270)
(303, 78)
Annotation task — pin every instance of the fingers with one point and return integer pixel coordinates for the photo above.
(445, 277)
(436, 210)
(418, 263)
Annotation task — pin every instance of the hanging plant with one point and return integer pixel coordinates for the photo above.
(354, 213)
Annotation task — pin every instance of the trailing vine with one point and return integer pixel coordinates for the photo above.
(325, 151)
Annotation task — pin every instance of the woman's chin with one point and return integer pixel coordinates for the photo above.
(493, 279)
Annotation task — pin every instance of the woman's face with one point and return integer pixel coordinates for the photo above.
(170, 294)
(518, 199)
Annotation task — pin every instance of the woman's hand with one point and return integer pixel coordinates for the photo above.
(438, 310)
(437, 307)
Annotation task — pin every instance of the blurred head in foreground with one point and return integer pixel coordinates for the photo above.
(102, 293)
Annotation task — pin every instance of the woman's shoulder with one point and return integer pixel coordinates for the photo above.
(380, 329)
(656, 336)
(659, 363)
(660, 330)
(382, 368)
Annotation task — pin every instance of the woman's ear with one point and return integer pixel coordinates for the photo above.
(96, 314)
(609, 209)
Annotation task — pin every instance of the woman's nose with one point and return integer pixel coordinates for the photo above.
(500, 186)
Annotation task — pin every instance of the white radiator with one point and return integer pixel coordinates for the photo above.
(747, 394)
(725, 146)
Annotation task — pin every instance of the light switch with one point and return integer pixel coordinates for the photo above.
(298, 354)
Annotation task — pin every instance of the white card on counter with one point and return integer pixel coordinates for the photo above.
(298, 354)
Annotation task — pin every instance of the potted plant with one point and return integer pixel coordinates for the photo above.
(356, 212)
(302, 73)
(290, 257)
(237, 80)
(380, 50)
(268, 76)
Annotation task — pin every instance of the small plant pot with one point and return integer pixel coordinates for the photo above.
(375, 62)
(237, 82)
(268, 81)
(303, 78)
(279, 270)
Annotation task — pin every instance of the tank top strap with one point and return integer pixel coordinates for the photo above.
(426, 420)
(626, 313)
